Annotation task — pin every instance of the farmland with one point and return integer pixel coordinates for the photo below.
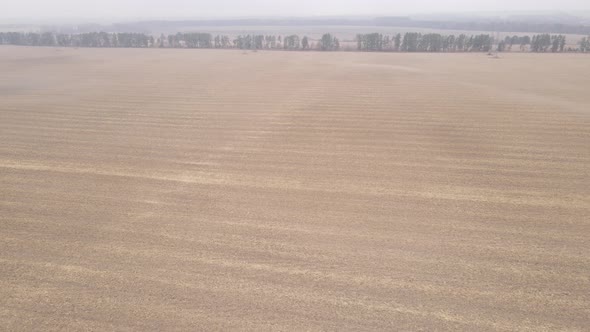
(170, 189)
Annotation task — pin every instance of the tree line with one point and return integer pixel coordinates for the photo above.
(178, 40)
(417, 42)
(91, 39)
(434, 42)
(372, 42)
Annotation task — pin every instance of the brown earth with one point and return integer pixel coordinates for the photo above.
(214, 190)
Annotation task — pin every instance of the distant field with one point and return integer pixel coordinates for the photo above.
(214, 190)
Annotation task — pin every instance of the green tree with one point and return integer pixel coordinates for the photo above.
(328, 43)
(292, 42)
(460, 43)
(305, 43)
(398, 42)
(562, 42)
(410, 42)
(585, 44)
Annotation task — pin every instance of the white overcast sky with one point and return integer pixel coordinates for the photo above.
(106, 9)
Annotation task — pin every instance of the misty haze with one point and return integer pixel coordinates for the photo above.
(295, 166)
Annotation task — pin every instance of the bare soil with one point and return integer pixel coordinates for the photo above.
(214, 190)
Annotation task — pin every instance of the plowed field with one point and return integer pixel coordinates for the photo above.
(214, 190)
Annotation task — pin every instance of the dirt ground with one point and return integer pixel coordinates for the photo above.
(214, 190)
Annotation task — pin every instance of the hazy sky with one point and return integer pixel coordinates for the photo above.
(44, 9)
